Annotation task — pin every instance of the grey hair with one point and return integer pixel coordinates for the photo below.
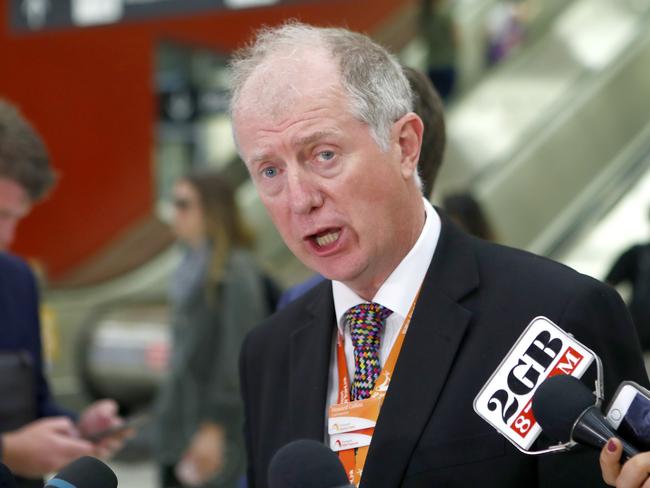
(373, 79)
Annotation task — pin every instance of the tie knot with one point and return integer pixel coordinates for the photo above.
(365, 322)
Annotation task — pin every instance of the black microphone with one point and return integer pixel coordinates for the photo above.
(306, 464)
(564, 408)
(7, 479)
(85, 472)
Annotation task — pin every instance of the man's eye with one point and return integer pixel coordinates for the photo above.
(270, 172)
(326, 155)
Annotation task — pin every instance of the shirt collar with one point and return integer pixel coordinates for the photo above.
(399, 290)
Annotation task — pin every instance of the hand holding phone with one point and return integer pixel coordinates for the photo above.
(130, 423)
(629, 414)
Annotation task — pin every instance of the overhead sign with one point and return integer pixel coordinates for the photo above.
(37, 15)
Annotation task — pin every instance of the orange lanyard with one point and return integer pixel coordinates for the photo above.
(353, 460)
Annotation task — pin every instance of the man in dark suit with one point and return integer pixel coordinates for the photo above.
(37, 436)
(323, 121)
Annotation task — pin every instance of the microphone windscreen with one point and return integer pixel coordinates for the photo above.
(306, 464)
(85, 472)
(7, 479)
(557, 404)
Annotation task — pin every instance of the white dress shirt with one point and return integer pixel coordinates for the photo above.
(396, 293)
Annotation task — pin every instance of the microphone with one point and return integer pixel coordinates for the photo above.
(85, 472)
(564, 408)
(7, 479)
(306, 464)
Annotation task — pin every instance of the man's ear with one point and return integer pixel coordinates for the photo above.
(409, 138)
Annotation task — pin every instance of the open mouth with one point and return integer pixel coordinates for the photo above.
(326, 238)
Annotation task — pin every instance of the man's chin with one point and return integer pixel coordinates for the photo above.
(343, 267)
(343, 273)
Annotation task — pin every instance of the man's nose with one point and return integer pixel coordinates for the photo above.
(304, 193)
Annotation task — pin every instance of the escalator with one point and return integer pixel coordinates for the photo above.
(615, 221)
(538, 137)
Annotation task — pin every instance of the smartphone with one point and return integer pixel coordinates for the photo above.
(133, 422)
(629, 414)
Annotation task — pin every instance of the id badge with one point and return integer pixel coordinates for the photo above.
(353, 416)
(351, 440)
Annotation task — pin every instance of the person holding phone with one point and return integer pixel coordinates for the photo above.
(37, 436)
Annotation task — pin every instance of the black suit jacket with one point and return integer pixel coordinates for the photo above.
(476, 299)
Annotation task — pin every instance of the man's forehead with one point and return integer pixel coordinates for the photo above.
(284, 79)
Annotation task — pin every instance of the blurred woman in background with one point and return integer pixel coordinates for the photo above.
(217, 295)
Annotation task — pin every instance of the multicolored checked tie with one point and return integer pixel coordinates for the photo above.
(365, 322)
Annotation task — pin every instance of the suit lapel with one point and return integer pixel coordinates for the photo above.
(430, 347)
(309, 359)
